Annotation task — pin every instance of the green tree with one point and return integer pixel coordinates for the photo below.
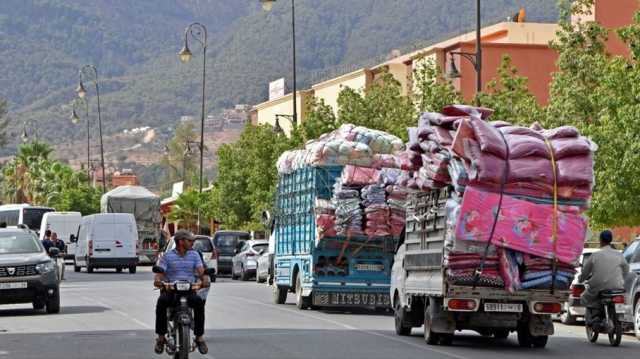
(432, 91)
(3, 122)
(185, 210)
(319, 119)
(382, 107)
(508, 95)
(180, 159)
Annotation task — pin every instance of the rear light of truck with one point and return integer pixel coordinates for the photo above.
(465, 305)
(547, 308)
(91, 247)
(618, 299)
(577, 290)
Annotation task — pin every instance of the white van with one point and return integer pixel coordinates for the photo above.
(64, 224)
(107, 240)
(31, 216)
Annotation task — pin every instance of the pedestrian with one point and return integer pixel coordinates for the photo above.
(46, 241)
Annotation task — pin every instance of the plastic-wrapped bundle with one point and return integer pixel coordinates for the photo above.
(377, 224)
(359, 176)
(380, 142)
(348, 211)
(373, 194)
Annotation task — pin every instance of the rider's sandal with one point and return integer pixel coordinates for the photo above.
(159, 347)
(202, 347)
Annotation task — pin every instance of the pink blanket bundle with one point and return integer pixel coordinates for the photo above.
(522, 225)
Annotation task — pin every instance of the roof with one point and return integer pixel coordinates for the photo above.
(133, 192)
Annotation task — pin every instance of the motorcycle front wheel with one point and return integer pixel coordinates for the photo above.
(184, 333)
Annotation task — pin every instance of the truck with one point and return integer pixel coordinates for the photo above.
(421, 295)
(145, 207)
(324, 271)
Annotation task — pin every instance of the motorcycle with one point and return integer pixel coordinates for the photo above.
(180, 317)
(606, 319)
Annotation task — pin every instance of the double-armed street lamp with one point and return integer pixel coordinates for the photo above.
(75, 119)
(82, 93)
(267, 5)
(474, 58)
(198, 32)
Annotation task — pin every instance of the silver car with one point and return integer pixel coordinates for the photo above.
(245, 262)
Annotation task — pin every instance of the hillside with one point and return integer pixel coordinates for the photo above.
(134, 46)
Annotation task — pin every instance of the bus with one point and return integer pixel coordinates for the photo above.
(31, 216)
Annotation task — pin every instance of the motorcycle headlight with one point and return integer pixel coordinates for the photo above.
(45, 267)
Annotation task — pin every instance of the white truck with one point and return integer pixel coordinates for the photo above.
(421, 295)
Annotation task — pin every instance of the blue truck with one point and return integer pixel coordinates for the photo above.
(324, 271)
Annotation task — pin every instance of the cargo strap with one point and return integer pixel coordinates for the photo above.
(554, 226)
(505, 176)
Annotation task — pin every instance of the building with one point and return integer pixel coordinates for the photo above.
(280, 110)
(126, 177)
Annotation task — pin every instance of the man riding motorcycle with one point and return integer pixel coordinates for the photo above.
(181, 263)
(603, 270)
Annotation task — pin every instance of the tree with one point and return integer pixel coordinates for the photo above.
(3, 122)
(320, 119)
(382, 107)
(432, 91)
(597, 93)
(509, 97)
(180, 157)
(185, 210)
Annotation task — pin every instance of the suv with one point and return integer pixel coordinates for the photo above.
(245, 262)
(632, 286)
(27, 273)
(226, 243)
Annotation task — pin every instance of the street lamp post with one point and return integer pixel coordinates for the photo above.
(474, 58)
(197, 32)
(267, 5)
(82, 92)
(75, 119)
(187, 152)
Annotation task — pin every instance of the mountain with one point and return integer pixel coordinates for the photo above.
(133, 43)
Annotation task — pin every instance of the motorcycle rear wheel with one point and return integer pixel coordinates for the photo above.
(184, 333)
(615, 335)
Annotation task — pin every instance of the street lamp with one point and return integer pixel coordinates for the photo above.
(267, 5)
(197, 32)
(82, 93)
(75, 119)
(474, 58)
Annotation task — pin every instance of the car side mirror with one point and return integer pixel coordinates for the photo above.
(54, 252)
(157, 269)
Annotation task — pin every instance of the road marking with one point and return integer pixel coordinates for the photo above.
(349, 327)
(4, 353)
(126, 315)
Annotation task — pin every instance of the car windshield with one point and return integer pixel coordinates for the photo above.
(32, 217)
(259, 247)
(16, 243)
(203, 245)
(230, 239)
(628, 253)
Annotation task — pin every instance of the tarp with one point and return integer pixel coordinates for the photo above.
(137, 200)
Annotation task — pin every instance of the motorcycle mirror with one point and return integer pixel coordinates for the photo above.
(157, 269)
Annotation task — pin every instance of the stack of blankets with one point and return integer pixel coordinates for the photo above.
(376, 211)
(397, 201)
(509, 175)
(346, 201)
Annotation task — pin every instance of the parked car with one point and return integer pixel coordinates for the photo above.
(264, 270)
(226, 243)
(203, 244)
(107, 240)
(245, 261)
(632, 288)
(573, 310)
(27, 273)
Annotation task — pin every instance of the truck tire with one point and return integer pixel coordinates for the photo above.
(430, 337)
(501, 333)
(301, 301)
(132, 269)
(566, 318)
(539, 341)
(76, 267)
(399, 315)
(279, 294)
(119, 270)
(89, 268)
(526, 340)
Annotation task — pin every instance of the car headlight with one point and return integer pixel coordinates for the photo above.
(46, 267)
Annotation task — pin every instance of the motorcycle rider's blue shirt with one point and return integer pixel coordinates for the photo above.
(178, 267)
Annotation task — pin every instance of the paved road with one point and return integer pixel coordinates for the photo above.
(109, 315)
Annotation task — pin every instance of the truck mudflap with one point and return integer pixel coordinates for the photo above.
(540, 325)
(441, 321)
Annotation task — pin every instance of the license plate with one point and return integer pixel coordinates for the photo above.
(351, 299)
(503, 307)
(367, 267)
(621, 308)
(15, 285)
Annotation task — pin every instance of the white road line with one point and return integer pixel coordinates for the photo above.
(349, 327)
(4, 353)
(126, 315)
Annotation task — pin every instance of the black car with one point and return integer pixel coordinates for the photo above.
(226, 243)
(27, 273)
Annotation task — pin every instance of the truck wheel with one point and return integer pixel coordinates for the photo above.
(76, 267)
(119, 270)
(279, 294)
(53, 303)
(132, 269)
(89, 269)
(399, 315)
(501, 334)
(38, 304)
(524, 337)
(446, 339)
(566, 318)
(539, 341)
(301, 301)
(429, 336)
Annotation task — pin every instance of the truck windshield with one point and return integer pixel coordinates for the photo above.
(15, 243)
(230, 240)
(32, 217)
